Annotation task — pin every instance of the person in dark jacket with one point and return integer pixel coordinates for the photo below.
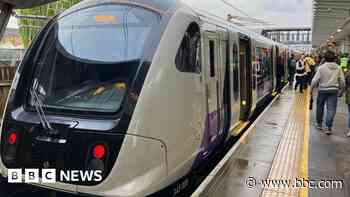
(280, 74)
(292, 63)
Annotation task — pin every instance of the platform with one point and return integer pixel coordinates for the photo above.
(282, 154)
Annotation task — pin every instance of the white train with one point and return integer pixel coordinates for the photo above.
(143, 90)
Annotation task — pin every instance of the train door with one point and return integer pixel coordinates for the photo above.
(274, 65)
(224, 83)
(254, 78)
(234, 80)
(286, 71)
(245, 76)
(211, 46)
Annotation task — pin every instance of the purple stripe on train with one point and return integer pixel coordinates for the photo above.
(211, 138)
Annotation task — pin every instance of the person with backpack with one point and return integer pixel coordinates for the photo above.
(330, 81)
(300, 74)
(310, 66)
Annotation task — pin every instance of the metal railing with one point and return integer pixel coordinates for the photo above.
(6, 75)
(290, 36)
(11, 57)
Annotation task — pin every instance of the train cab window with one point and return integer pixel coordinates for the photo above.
(97, 70)
(188, 55)
(212, 57)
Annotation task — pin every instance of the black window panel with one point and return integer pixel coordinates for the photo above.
(235, 59)
(188, 55)
(212, 57)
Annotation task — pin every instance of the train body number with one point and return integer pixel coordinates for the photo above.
(181, 186)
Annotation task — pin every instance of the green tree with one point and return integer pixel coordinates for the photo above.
(29, 28)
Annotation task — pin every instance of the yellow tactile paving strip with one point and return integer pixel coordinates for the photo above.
(289, 162)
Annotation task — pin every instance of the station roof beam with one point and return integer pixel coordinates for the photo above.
(329, 20)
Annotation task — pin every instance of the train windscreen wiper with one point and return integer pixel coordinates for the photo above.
(39, 107)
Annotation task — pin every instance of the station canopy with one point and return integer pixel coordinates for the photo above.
(22, 4)
(330, 22)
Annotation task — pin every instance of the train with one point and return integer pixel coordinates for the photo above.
(145, 91)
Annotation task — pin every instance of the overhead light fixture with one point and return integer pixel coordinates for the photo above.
(339, 30)
(332, 36)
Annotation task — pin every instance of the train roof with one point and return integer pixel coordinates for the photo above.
(168, 6)
(160, 6)
(222, 22)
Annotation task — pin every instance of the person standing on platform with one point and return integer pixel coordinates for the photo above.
(319, 61)
(292, 63)
(344, 62)
(330, 81)
(280, 73)
(309, 64)
(300, 74)
(347, 95)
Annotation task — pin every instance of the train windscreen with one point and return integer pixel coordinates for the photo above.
(88, 59)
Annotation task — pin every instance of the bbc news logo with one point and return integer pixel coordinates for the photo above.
(52, 176)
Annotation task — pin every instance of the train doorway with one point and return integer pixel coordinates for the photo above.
(245, 75)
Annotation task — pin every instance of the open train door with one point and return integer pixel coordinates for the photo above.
(245, 68)
(275, 55)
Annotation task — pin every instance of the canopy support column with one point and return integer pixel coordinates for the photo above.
(6, 11)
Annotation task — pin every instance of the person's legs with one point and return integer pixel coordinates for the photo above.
(321, 100)
(349, 116)
(332, 104)
(279, 84)
(309, 78)
(292, 77)
(297, 83)
(305, 81)
(348, 120)
(302, 83)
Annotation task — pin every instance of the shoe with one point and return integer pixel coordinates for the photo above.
(348, 135)
(328, 131)
(319, 127)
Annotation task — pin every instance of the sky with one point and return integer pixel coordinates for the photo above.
(280, 13)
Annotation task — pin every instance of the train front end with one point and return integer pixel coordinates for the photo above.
(68, 114)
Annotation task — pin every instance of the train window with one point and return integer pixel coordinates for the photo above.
(235, 58)
(188, 55)
(212, 57)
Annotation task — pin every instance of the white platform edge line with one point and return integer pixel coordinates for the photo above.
(200, 190)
